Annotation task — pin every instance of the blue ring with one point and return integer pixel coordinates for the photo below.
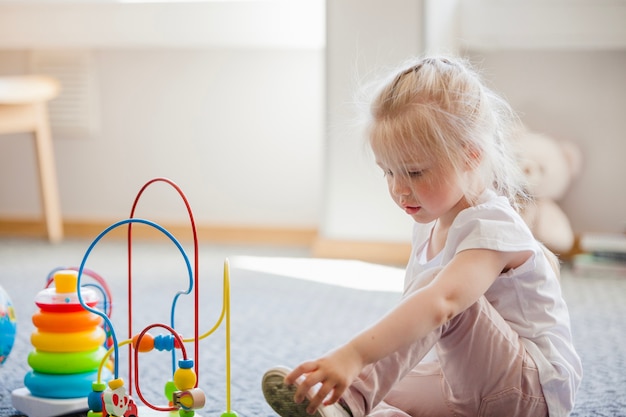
(62, 386)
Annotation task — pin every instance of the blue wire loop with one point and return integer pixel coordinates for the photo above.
(104, 316)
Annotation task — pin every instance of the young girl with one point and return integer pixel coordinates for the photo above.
(479, 289)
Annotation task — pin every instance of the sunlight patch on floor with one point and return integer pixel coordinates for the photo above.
(345, 273)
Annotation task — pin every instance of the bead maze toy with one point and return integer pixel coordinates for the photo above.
(75, 361)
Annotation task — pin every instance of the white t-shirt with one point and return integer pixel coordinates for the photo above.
(528, 297)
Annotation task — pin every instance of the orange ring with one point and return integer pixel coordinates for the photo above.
(78, 321)
(68, 342)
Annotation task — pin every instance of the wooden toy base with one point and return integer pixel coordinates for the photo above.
(144, 411)
(33, 406)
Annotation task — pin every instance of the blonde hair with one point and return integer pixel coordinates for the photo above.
(440, 107)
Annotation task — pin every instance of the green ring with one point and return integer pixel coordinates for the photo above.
(66, 363)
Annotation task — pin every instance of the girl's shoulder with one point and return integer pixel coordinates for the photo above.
(490, 206)
(492, 223)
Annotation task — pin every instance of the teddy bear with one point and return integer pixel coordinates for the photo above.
(550, 166)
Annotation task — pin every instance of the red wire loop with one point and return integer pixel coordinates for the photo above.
(136, 368)
(195, 273)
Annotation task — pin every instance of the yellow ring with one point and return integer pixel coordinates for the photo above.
(66, 322)
(68, 342)
(66, 363)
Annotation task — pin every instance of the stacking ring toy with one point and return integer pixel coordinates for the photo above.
(68, 342)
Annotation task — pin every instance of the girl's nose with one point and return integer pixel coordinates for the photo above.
(399, 186)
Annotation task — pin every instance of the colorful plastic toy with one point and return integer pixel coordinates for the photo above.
(68, 341)
(69, 346)
(8, 325)
(108, 394)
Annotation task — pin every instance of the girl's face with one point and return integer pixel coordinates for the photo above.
(424, 190)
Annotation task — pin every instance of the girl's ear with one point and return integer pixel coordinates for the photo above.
(473, 157)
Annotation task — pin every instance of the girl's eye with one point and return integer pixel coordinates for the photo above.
(387, 173)
(416, 174)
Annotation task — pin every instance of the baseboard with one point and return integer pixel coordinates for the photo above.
(390, 253)
(206, 233)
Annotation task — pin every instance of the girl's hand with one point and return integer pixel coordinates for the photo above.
(334, 373)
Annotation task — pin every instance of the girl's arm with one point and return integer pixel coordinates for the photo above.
(455, 288)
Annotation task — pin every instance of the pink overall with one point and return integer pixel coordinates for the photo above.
(510, 354)
(483, 370)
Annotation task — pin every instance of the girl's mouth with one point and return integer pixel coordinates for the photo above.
(411, 210)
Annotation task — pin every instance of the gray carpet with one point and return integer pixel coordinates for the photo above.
(275, 319)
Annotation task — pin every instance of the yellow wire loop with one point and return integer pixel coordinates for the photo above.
(106, 357)
(225, 313)
(227, 308)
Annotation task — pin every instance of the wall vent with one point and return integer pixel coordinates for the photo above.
(74, 111)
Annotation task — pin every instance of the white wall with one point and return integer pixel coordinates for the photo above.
(364, 40)
(224, 98)
(580, 96)
(249, 135)
(239, 130)
(573, 90)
